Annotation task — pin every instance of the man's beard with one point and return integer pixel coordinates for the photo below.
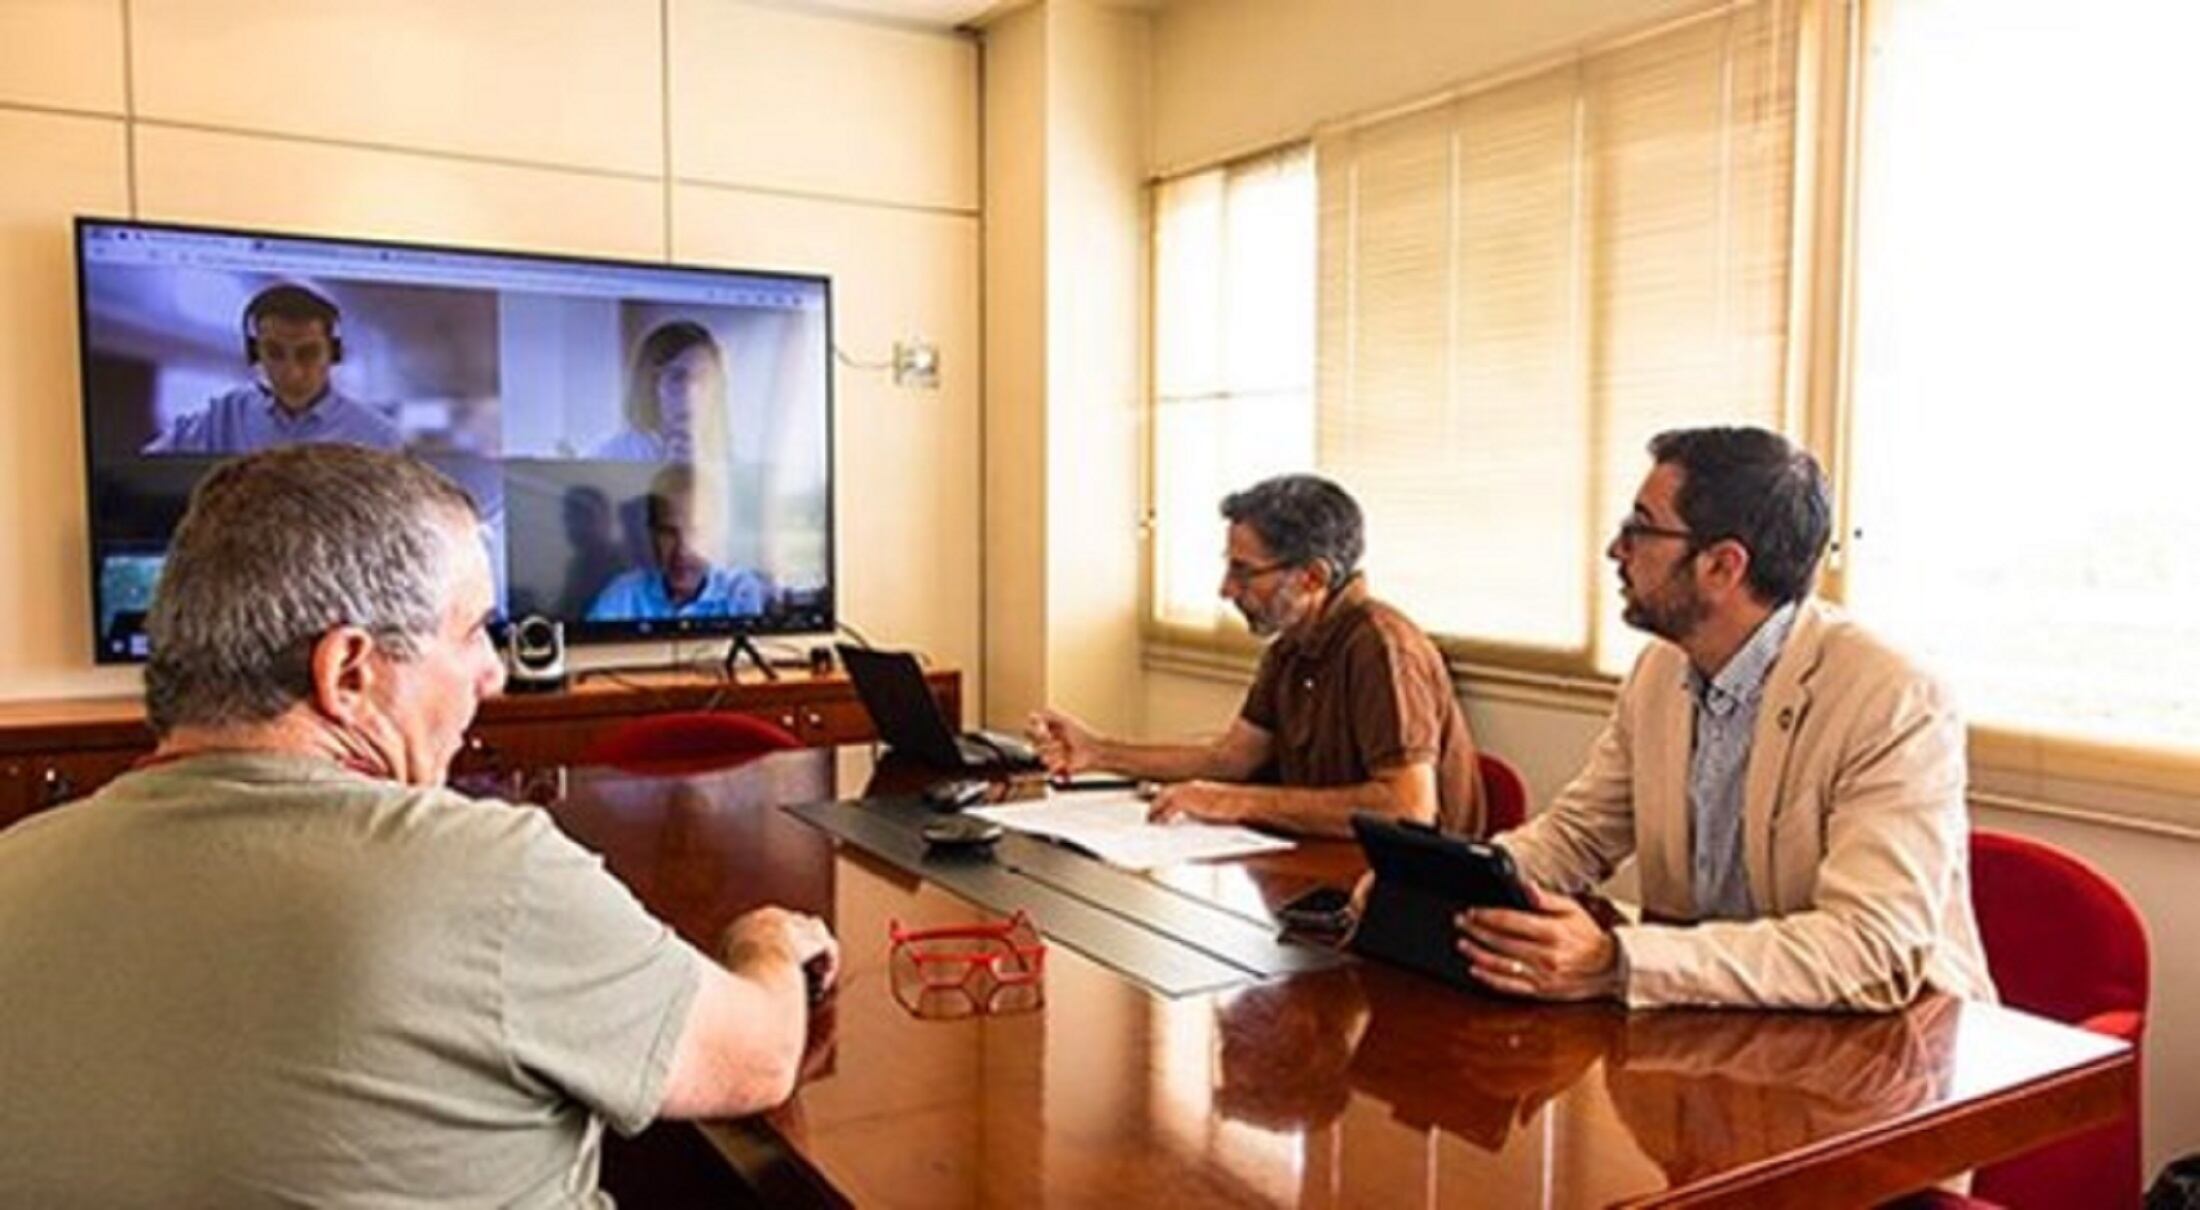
(1674, 613)
(1272, 619)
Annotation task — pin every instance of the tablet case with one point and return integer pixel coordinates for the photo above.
(1423, 878)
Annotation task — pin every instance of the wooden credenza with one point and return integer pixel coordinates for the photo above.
(56, 750)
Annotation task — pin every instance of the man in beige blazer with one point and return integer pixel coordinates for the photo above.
(1792, 788)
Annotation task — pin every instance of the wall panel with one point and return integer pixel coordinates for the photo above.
(62, 54)
(58, 167)
(765, 97)
(1016, 403)
(248, 181)
(574, 82)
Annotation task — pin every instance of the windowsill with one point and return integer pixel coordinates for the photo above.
(2156, 792)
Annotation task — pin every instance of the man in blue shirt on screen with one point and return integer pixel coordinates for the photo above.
(290, 335)
(679, 582)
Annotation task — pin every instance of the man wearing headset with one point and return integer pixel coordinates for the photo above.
(290, 335)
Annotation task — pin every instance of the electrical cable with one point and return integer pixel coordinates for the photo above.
(842, 357)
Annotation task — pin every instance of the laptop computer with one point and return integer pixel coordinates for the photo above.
(909, 719)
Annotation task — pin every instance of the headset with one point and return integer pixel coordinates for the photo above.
(288, 299)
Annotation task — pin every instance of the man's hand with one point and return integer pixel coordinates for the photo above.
(1556, 952)
(1213, 801)
(771, 932)
(1065, 745)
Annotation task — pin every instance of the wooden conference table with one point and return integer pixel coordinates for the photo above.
(1363, 1085)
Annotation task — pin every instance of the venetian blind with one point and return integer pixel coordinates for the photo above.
(1518, 287)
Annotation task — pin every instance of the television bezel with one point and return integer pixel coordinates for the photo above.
(578, 631)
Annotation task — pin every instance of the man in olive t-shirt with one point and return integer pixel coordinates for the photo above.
(282, 965)
(1352, 709)
(337, 989)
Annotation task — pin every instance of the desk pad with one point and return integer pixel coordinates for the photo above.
(1173, 943)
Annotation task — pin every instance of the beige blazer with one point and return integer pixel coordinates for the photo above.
(1854, 833)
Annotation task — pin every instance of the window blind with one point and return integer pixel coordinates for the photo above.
(1518, 287)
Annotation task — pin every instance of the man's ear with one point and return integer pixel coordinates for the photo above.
(1318, 576)
(1725, 565)
(344, 672)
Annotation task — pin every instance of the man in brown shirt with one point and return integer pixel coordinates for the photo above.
(1352, 709)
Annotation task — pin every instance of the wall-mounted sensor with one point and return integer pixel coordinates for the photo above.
(916, 364)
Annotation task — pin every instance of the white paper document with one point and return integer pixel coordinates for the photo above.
(1113, 828)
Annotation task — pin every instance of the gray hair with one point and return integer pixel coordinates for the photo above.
(1301, 519)
(277, 549)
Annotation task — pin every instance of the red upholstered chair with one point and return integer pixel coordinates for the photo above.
(1504, 793)
(686, 742)
(2063, 941)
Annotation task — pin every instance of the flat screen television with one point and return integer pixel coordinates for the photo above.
(650, 445)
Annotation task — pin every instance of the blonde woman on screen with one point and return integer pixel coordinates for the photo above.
(675, 391)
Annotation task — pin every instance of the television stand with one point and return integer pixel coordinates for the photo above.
(743, 644)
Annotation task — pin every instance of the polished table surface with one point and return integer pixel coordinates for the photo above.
(1358, 1086)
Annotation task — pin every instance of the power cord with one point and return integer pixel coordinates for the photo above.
(842, 357)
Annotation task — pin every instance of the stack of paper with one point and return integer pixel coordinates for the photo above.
(1113, 828)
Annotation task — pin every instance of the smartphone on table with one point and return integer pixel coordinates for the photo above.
(1324, 911)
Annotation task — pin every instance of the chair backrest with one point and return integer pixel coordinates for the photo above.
(687, 742)
(1504, 794)
(2061, 939)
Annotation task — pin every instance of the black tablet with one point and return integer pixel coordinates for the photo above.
(1423, 878)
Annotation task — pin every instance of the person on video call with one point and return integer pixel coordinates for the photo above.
(1791, 787)
(1352, 709)
(679, 581)
(290, 338)
(676, 384)
(280, 963)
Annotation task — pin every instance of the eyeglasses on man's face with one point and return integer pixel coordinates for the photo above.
(1243, 574)
(1633, 530)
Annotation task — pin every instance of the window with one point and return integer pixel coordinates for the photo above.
(1233, 359)
(2023, 416)
(1517, 287)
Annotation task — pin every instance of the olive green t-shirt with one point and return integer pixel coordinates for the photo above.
(250, 979)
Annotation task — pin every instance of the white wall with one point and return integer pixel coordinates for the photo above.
(622, 128)
(1015, 363)
(1066, 150)
(1096, 379)
(1232, 75)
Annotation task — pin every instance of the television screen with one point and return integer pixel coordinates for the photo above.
(650, 445)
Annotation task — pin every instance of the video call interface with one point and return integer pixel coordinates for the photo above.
(649, 446)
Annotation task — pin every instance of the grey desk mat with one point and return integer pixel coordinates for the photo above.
(1174, 943)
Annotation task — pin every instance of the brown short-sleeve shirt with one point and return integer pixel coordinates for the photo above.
(1364, 690)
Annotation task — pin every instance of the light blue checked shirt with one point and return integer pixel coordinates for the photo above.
(249, 418)
(1726, 718)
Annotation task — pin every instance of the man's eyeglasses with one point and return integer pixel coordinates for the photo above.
(1632, 531)
(1243, 575)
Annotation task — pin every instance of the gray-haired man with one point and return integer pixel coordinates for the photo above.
(282, 964)
(1352, 709)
